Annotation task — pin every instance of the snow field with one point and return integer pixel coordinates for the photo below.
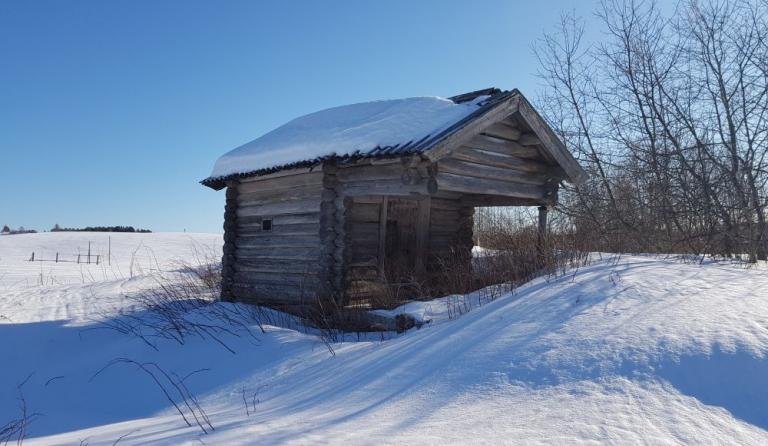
(628, 350)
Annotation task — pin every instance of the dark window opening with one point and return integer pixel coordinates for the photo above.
(266, 224)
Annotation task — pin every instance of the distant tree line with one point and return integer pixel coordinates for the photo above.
(668, 113)
(57, 228)
(7, 230)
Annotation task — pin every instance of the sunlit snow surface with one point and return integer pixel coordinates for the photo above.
(345, 130)
(630, 350)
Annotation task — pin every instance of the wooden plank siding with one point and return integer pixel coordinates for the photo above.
(493, 164)
(281, 264)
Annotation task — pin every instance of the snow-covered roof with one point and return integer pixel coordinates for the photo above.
(371, 129)
(387, 128)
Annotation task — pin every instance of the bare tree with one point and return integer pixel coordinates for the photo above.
(668, 114)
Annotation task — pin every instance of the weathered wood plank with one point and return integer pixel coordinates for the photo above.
(502, 130)
(370, 173)
(289, 207)
(466, 168)
(313, 178)
(502, 161)
(278, 174)
(277, 266)
(383, 187)
(502, 146)
(282, 229)
(298, 280)
(287, 252)
(422, 234)
(279, 195)
(293, 241)
(287, 219)
(494, 200)
(257, 293)
(472, 185)
(382, 242)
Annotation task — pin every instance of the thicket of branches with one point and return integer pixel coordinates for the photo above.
(668, 113)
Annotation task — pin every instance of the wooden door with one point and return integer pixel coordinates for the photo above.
(400, 240)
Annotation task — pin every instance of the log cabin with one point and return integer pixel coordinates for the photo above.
(330, 204)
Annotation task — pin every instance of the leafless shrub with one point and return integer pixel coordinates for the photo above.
(173, 388)
(251, 400)
(510, 252)
(182, 305)
(16, 429)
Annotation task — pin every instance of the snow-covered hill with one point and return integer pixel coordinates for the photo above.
(625, 351)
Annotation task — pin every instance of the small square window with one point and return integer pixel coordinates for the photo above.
(266, 224)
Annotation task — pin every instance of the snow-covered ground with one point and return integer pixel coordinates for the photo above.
(625, 351)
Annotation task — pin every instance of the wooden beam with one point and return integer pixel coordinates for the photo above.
(471, 185)
(383, 187)
(284, 182)
(504, 161)
(383, 233)
(278, 174)
(492, 144)
(467, 168)
(476, 200)
(289, 207)
(502, 130)
(422, 236)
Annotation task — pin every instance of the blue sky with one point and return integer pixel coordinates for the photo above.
(112, 111)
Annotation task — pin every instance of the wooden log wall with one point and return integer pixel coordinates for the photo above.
(501, 161)
(450, 232)
(363, 189)
(365, 218)
(280, 263)
(332, 235)
(228, 258)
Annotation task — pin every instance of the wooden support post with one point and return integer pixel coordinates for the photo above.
(422, 236)
(383, 234)
(541, 233)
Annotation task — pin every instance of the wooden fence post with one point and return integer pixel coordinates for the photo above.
(541, 236)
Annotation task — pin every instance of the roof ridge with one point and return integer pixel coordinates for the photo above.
(466, 97)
